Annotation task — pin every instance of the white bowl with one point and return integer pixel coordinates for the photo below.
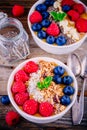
(51, 48)
(41, 119)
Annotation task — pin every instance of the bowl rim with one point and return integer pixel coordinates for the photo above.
(21, 112)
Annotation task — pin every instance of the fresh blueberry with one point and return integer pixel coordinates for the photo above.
(41, 7)
(59, 70)
(65, 100)
(67, 80)
(66, 8)
(45, 14)
(61, 40)
(49, 2)
(68, 90)
(36, 27)
(41, 34)
(5, 100)
(50, 39)
(57, 79)
(45, 23)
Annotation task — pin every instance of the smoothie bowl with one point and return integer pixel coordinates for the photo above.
(58, 26)
(42, 89)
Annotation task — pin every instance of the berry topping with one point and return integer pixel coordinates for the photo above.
(45, 23)
(81, 25)
(65, 100)
(61, 40)
(53, 29)
(45, 109)
(36, 27)
(66, 8)
(67, 80)
(17, 10)
(41, 34)
(49, 2)
(68, 90)
(30, 106)
(31, 67)
(68, 2)
(41, 7)
(35, 17)
(73, 15)
(20, 98)
(59, 70)
(79, 8)
(50, 39)
(12, 118)
(57, 79)
(21, 76)
(18, 87)
(45, 14)
(5, 100)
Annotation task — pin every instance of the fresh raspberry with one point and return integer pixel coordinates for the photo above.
(79, 8)
(18, 87)
(12, 118)
(46, 109)
(73, 15)
(21, 76)
(30, 67)
(81, 25)
(53, 29)
(20, 98)
(68, 2)
(17, 10)
(30, 106)
(35, 17)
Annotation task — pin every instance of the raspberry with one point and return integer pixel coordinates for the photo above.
(30, 67)
(46, 109)
(17, 10)
(81, 25)
(21, 76)
(30, 106)
(18, 87)
(79, 8)
(35, 17)
(73, 15)
(20, 98)
(12, 118)
(68, 2)
(53, 29)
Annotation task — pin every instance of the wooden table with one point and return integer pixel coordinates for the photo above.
(66, 121)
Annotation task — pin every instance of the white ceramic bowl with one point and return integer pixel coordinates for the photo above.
(41, 119)
(51, 48)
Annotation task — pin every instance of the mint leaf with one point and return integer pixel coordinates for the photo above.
(54, 15)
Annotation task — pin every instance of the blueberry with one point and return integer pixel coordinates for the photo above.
(41, 34)
(65, 100)
(61, 40)
(68, 90)
(67, 80)
(41, 7)
(59, 70)
(50, 39)
(5, 100)
(36, 27)
(45, 23)
(66, 8)
(57, 79)
(49, 2)
(45, 14)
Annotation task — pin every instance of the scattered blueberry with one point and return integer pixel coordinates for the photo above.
(45, 23)
(36, 27)
(50, 39)
(41, 7)
(68, 90)
(5, 100)
(57, 79)
(41, 34)
(59, 70)
(67, 80)
(66, 8)
(65, 100)
(49, 2)
(61, 40)
(45, 14)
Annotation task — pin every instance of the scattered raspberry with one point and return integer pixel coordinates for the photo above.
(30, 106)
(53, 29)
(46, 109)
(35, 17)
(81, 25)
(73, 15)
(12, 118)
(18, 87)
(20, 98)
(21, 76)
(79, 8)
(30, 67)
(17, 10)
(68, 2)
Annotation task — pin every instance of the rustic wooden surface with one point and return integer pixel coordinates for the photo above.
(65, 123)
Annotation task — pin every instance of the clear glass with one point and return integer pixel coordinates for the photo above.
(14, 41)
